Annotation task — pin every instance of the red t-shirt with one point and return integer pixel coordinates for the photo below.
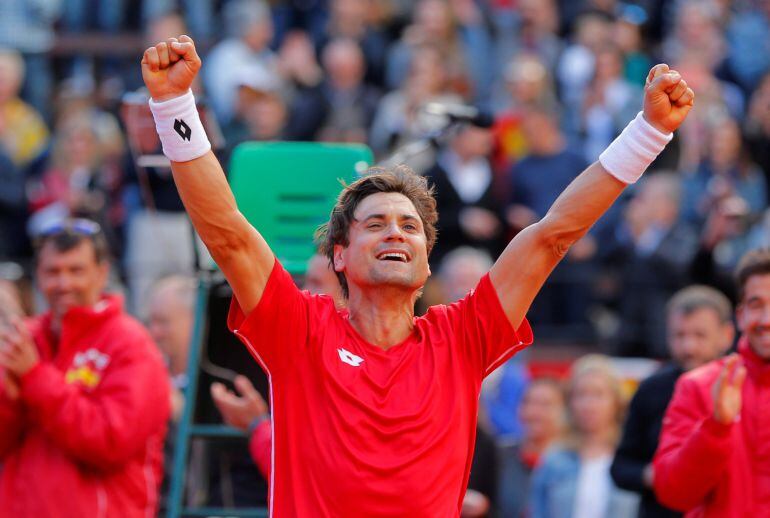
(360, 431)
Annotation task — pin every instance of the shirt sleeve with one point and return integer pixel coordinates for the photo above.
(488, 337)
(278, 326)
(694, 450)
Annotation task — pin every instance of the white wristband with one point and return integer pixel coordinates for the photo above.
(634, 150)
(179, 128)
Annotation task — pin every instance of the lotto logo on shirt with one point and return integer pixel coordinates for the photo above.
(349, 358)
(87, 368)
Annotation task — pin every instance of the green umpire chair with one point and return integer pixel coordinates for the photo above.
(284, 189)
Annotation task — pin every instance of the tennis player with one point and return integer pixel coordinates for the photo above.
(373, 410)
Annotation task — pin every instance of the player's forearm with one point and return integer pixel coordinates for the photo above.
(240, 251)
(208, 200)
(581, 205)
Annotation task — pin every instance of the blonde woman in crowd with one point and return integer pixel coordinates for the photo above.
(573, 480)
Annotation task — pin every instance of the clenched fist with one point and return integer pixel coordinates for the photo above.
(168, 68)
(667, 98)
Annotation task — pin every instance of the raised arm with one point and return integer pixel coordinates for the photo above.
(529, 258)
(168, 70)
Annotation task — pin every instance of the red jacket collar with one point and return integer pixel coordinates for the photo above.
(78, 320)
(757, 368)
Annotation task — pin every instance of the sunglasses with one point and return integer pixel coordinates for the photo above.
(80, 226)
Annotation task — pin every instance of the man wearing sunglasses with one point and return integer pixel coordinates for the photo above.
(85, 396)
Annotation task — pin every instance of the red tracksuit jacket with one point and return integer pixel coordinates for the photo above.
(85, 437)
(712, 470)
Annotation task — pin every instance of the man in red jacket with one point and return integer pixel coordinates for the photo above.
(713, 459)
(85, 396)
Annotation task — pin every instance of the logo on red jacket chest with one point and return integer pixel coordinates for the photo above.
(87, 368)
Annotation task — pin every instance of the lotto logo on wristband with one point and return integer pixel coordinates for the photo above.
(177, 119)
(181, 127)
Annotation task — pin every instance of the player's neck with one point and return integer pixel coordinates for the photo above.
(381, 318)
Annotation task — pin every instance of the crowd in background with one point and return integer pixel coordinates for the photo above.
(559, 78)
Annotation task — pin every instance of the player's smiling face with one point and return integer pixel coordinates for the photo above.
(386, 245)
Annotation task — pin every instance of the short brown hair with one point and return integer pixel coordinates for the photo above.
(692, 298)
(755, 262)
(399, 179)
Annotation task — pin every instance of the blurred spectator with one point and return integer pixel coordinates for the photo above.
(170, 320)
(198, 15)
(460, 271)
(712, 458)
(527, 84)
(481, 494)
(700, 329)
(725, 171)
(539, 177)
(697, 34)
(13, 210)
(574, 480)
(458, 28)
(470, 212)
(757, 128)
(536, 181)
(247, 410)
(83, 177)
(748, 40)
(23, 133)
(97, 389)
(717, 100)
(654, 250)
(84, 16)
(321, 279)
(397, 121)
(264, 113)
(726, 235)
(27, 27)
(759, 235)
(297, 63)
(349, 104)
(610, 102)
(350, 20)
(628, 36)
(249, 29)
(170, 314)
(299, 15)
(543, 416)
(577, 64)
(527, 26)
